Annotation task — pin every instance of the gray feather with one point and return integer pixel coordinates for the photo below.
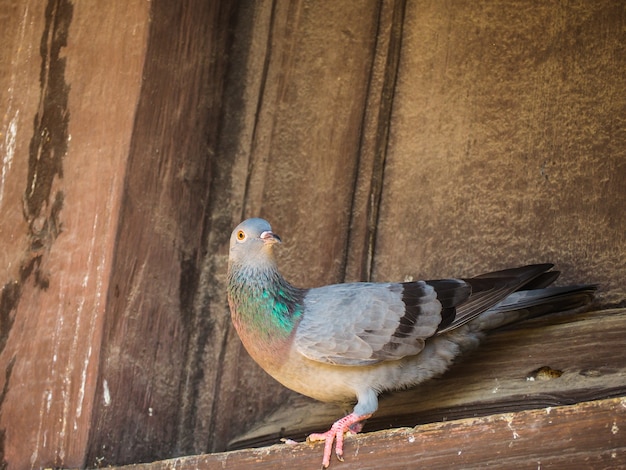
(365, 323)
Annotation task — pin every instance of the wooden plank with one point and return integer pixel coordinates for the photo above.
(65, 129)
(497, 377)
(143, 407)
(506, 118)
(374, 142)
(212, 340)
(586, 435)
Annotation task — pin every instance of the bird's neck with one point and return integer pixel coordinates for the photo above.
(265, 308)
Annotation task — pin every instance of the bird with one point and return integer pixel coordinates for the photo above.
(349, 342)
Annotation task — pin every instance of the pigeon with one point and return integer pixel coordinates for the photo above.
(350, 342)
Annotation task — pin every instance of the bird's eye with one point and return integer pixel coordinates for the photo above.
(241, 235)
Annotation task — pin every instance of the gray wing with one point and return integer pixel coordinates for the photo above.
(366, 323)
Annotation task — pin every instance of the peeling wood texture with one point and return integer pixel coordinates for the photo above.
(384, 140)
(588, 435)
(66, 126)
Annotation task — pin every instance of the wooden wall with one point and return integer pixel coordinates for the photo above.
(382, 139)
(71, 78)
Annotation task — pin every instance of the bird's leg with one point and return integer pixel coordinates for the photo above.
(336, 432)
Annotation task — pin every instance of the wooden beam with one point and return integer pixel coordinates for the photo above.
(150, 320)
(70, 75)
(585, 435)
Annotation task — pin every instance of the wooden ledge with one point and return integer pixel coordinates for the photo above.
(491, 410)
(585, 435)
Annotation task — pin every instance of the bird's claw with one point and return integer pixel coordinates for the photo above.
(328, 437)
(336, 434)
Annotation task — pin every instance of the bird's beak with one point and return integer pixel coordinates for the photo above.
(270, 238)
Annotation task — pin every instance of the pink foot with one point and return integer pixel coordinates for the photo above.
(336, 431)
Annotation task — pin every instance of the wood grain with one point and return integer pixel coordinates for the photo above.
(66, 125)
(384, 140)
(150, 322)
(374, 142)
(283, 147)
(505, 138)
(587, 436)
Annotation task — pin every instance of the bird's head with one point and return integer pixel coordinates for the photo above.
(252, 242)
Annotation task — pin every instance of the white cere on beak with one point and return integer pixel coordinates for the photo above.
(270, 237)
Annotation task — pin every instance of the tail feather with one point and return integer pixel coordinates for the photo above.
(541, 281)
(490, 288)
(527, 304)
(501, 297)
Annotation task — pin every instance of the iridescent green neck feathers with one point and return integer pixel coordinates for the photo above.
(264, 306)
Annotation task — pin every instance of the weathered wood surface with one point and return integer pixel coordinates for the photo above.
(70, 76)
(489, 156)
(506, 142)
(499, 376)
(102, 203)
(281, 137)
(585, 436)
(383, 139)
(146, 361)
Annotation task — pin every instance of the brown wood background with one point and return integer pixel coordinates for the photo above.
(382, 139)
